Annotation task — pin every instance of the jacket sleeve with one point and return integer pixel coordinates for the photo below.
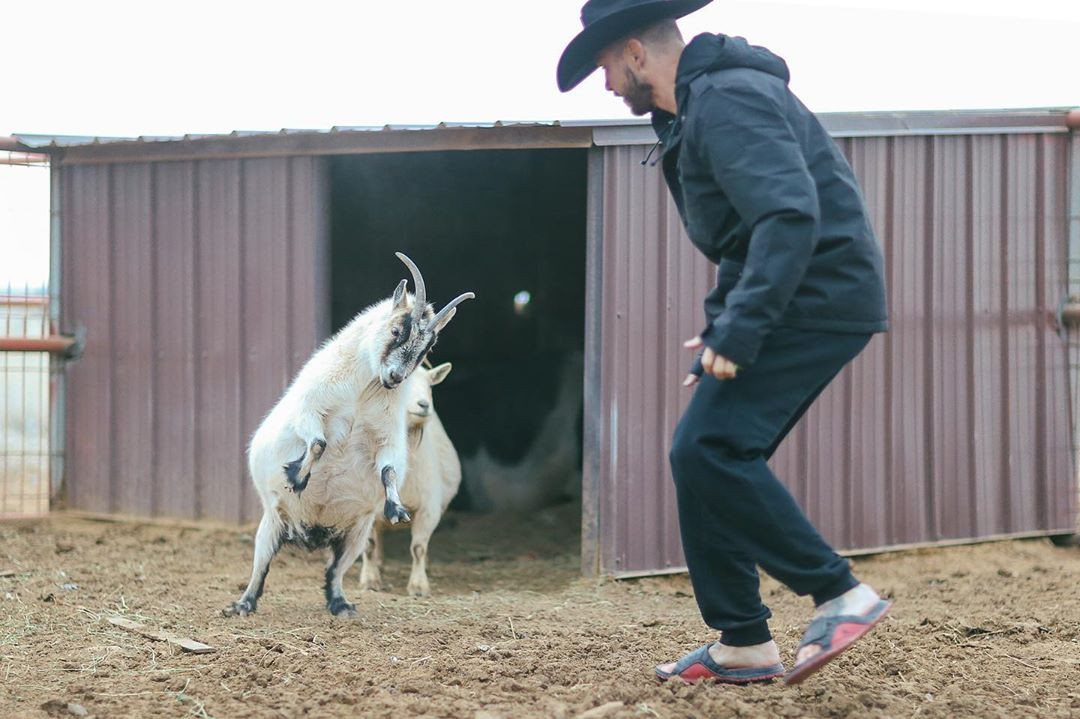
(714, 305)
(757, 162)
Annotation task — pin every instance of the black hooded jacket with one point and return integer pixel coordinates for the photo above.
(765, 193)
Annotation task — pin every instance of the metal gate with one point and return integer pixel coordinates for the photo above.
(30, 468)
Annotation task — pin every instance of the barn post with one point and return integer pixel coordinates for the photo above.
(593, 397)
(57, 374)
(1071, 311)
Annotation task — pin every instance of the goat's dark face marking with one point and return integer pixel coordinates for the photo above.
(405, 345)
(411, 331)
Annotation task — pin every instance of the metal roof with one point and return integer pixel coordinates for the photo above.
(502, 135)
(41, 142)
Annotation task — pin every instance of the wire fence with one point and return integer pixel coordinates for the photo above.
(24, 408)
(26, 457)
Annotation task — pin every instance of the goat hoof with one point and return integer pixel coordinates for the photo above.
(395, 513)
(239, 609)
(318, 446)
(292, 476)
(340, 607)
(418, 590)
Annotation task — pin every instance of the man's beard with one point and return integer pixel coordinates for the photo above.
(638, 95)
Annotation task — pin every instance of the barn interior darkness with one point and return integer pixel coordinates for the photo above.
(508, 225)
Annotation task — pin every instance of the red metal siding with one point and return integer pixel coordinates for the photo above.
(133, 405)
(90, 407)
(201, 289)
(954, 425)
(219, 385)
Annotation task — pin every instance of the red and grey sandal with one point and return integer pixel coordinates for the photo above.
(698, 665)
(833, 634)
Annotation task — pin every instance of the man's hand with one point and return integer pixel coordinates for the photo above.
(719, 367)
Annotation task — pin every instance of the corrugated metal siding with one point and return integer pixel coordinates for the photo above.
(202, 288)
(954, 425)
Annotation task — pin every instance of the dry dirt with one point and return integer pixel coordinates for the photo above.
(511, 631)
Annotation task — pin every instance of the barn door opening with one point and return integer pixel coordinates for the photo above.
(509, 225)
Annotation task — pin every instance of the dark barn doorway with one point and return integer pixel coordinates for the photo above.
(509, 225)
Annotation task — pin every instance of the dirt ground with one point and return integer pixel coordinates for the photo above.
(510, 631)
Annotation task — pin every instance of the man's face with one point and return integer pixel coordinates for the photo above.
(623, 81)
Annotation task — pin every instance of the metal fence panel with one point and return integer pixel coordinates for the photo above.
(955, 425)
(200, 289)
(24, 408)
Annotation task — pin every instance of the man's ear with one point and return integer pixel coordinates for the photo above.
(634, 51)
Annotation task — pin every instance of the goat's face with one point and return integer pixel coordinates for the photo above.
(412, 329)
(407, 338)
(420, 404)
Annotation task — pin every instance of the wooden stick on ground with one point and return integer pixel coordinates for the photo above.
(188, 645)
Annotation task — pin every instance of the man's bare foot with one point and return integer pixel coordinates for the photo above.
(856, 602)
(752, 657)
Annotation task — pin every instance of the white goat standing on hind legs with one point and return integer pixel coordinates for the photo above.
(346, 391)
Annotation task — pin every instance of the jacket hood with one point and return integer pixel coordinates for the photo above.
(708, 53)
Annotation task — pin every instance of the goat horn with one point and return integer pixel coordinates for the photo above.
(450, 308)
(418, 280)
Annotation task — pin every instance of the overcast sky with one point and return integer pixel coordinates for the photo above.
(126, 68)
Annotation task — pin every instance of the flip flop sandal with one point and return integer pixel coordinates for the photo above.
(833, 634)
(698, 665)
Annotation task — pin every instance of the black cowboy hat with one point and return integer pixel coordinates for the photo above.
(604, 22)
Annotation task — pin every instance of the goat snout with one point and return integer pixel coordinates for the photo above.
(396, 376)
(423, 404)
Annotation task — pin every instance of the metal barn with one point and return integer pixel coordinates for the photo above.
(201, 271)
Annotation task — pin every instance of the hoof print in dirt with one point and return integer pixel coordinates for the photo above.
(339, 607)
(292, 475)
(395, 513)
(239, 609)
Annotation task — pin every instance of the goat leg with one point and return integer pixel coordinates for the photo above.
(423, 525)
(371, 567)
(393, 509)
(267, 542)
(343, 553)
(296, 482)
(309, 428)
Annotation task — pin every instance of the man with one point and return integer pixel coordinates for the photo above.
(766, 194)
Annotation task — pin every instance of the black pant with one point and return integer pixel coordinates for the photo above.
(733, 511)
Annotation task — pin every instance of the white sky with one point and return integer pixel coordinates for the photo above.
(127, 68)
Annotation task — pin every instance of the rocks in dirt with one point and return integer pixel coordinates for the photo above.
(64, 547)
(61, 708)
(604, 710)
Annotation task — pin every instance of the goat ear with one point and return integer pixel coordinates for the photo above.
(399, 294)
(438, 374)
(445, 320)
